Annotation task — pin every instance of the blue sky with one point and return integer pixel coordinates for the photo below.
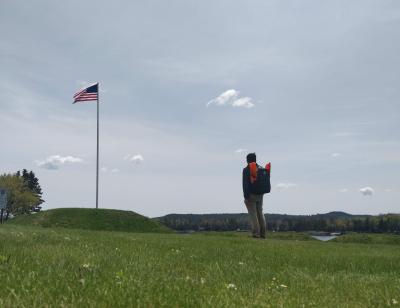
(189, 87)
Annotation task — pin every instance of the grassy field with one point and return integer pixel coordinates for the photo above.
(42, 267)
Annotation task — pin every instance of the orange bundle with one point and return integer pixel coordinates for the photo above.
(253, 172)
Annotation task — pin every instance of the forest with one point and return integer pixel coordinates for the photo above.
(329, 222)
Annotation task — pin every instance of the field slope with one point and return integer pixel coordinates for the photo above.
(91, 219)
(58, 267)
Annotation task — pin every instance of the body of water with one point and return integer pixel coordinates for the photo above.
(324, 237)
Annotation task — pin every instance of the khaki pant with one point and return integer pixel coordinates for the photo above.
(255, 208)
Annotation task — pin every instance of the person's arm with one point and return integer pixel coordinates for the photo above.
(246, 183)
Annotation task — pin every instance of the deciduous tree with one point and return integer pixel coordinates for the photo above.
(21, 199)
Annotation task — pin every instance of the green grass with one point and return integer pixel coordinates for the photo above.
(91, 219)
(56, 267)
(368, 238)
(290, 235)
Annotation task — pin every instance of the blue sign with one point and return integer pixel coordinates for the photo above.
(3, 198)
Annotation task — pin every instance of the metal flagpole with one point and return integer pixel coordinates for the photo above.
(97, 162)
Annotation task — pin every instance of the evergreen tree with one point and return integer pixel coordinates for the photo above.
(32, 182)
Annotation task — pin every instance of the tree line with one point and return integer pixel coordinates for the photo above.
(24, 194)
(330, 222)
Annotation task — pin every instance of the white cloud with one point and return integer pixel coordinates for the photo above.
(232, 97)
(367, 191)
(334, 155)
(240, 151)
(243, 102)
(343, 190)
(283, 186)
(54, 162)
(137, 158)
(388, 190)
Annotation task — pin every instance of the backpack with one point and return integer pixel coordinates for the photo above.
(261, 185)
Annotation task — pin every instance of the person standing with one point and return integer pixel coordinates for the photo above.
(253, 201)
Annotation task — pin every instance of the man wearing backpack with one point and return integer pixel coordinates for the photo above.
(256, 182)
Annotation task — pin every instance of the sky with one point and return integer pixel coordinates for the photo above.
(188, 88)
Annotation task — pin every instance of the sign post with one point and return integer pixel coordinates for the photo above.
(3, 202)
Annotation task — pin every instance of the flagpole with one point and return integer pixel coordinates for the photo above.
(97, 161)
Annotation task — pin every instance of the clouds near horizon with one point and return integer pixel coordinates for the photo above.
(54, 162)
(367, 191)
(136, 158)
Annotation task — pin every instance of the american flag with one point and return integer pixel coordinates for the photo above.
(90, 93)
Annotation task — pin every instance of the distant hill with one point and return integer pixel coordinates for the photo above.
(329, 222)
(91, 219)
(336, 214)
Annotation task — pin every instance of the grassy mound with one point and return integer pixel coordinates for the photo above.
(91, 219)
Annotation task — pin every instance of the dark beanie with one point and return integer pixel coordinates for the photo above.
(251, 158)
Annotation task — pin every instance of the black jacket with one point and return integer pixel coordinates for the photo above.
(246, 181)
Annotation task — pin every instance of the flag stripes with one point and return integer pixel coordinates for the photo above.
(88, 94)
